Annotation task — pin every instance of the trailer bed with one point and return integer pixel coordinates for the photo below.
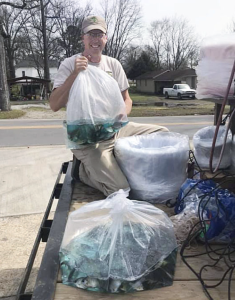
(72, 195)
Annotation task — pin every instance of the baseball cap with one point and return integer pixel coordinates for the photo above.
(94, 22)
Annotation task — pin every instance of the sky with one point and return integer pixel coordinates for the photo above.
(207, 17)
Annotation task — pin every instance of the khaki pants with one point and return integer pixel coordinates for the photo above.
(99, 167)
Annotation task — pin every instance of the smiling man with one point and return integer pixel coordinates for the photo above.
(98, 167)
(94, 38)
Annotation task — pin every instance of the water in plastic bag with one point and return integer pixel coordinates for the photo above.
(83, 134)
(96, 109)
(202, 141)
(155, 164)
(118, 245)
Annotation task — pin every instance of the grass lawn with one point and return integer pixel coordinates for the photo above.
(169, 107)
(12, 114)
(143, 98)
(143, 106)
(29, 102)
(41, 109)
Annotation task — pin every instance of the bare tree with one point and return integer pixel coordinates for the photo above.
(4, 90)
(69, 25)
(53, 31)
(174, 42)
(21, 4)
(193, 57)
(41, 34)
(158, 32)
(13, 23)
(123, 21)
(40, 31)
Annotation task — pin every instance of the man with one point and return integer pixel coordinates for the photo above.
(98, 167)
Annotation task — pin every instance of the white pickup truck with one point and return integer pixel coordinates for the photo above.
(180, 91)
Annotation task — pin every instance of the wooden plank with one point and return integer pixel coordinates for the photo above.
(180, 290)
(85, 193)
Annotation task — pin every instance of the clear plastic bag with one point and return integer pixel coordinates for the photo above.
(95, 110)
(116, 245)
(155, 164)
(202, 141)
(217, 56)
(218, 47)
(214, 206)
(213, 78)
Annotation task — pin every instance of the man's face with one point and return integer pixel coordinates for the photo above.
(94, 41)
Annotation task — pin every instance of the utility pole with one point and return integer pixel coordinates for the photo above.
(45, 48)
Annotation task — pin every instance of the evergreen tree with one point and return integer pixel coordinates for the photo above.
(142, 65)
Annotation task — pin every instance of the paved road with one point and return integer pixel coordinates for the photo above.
(17, 133)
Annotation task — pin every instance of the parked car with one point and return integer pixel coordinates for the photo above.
(180, 91)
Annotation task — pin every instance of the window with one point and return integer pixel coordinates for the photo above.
(23, 73)
(184, 86)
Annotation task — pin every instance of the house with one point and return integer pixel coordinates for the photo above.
(28, 82)
(153, 82)
(27, 67)
(27, 87)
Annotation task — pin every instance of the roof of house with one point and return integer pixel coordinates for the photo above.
(168, 75)
(27, 79)
(29, 62)
(150, 75)
(176, 75)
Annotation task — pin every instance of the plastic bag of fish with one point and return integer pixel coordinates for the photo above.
(162, 159)
(95, 110)
(117, 245)
(202, 141)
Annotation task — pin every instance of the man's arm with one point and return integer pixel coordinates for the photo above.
(59, 96)
(128, 101)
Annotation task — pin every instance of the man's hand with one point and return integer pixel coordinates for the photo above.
(81, 64)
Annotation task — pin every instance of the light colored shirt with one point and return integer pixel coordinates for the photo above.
(108, 64)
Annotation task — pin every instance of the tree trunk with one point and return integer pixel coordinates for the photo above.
(4, 90)
(11, 65)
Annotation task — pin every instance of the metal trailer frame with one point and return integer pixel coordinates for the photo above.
(51, 232)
